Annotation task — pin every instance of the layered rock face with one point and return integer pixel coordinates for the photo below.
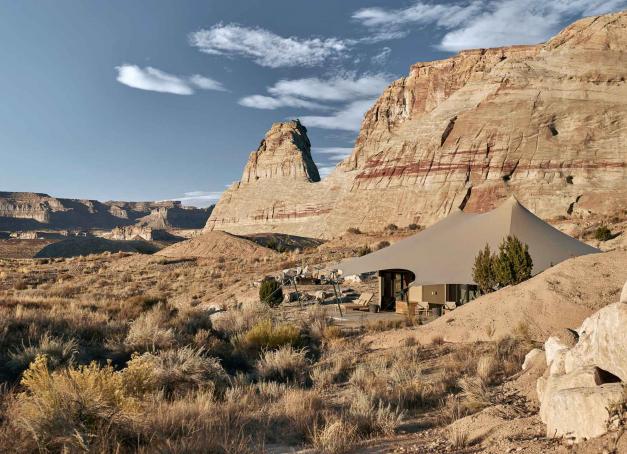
(21, 211)
(280, 188)
(545, 123)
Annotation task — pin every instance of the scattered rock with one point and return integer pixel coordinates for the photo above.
(531, 357)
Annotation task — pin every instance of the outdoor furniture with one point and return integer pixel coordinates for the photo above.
(361, 304)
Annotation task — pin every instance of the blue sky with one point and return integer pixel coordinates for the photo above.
(156, 100)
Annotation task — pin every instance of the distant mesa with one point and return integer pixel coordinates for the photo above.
(20, 211)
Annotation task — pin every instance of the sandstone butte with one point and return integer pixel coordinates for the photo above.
(547, 123)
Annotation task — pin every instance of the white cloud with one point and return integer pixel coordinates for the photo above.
(348, 118)
(153, 79)
(342, 87)
(483, 23)
(265, 47)
(346, 95)
(205, 83)
(270, 103)
(382, 57)
(199, 198)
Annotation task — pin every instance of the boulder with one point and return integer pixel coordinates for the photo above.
(602, 342)
(531, 357)
(553, 384)
(581, 413)
(555, 350)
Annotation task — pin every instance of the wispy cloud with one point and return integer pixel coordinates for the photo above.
(382, 57)
(342, 87)
(346, 95)
(153, 79)
(347, 118)
(271, 103)
(265, 47)
(199, 198)
(483, 23)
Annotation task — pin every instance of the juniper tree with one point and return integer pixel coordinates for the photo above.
(483, 270)
(513, 264)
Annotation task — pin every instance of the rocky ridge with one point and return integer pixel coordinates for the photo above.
(20, 211)
(545, 123)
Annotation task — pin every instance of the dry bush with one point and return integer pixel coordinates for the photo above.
(175, 372)
(395, 379)
(332, 371)
(132, 307)
(337, 436)
(460, 438)
(372, 417)
(475, 394)
(149, 332)
(71, 408)
(199, 423)
(267, 335)
(285, 364)
(486, 369)
(295, 415)
(437, 340)
(238, 320)
(58, 352)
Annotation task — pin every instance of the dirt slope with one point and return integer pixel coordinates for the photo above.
(560, 297)
(214, 244)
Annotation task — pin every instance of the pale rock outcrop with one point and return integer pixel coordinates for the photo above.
(545, 123)
(584, 381)
(623, 295)
(530, 357)
(602, 342)
(582, 413)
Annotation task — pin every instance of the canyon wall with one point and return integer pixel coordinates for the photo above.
(547, 123)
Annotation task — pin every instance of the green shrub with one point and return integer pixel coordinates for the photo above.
(270, 292)
(413, 227)
(392, 227)
(514, 263)
(382, 244)
(265, 335)
(602, 233)
(483, 270)
(363, 251)
(510, 266)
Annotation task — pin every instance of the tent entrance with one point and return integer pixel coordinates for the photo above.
(393, 285)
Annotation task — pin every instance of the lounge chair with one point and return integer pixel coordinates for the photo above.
(361, 303)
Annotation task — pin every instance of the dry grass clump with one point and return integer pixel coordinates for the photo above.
(268, 335)
(174, 371)
(286, 364)
(337, 436)
(460, 438)
(58, 351)
(149, 331)
(374, 417)
(332, 371)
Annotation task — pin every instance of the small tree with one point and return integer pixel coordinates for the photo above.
(483, 270)
(270, 292)
(363, 250)
(602, 233)
(513, 264)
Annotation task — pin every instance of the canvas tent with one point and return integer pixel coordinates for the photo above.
(445, 252)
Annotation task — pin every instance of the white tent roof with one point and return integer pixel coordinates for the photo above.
(445, 252)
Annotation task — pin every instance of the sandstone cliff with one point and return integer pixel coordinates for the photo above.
(546, 123)
(21, 211)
